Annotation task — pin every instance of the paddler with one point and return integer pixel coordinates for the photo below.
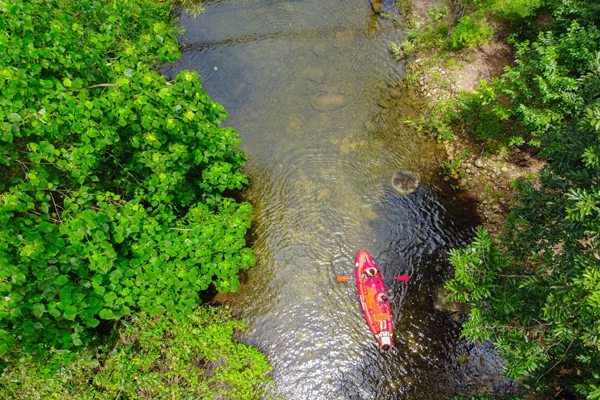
(370, 273)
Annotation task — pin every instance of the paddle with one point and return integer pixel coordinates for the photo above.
(346, 278)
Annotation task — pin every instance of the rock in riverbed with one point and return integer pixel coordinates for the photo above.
(328, 102)
(406, 182)
(443, 304)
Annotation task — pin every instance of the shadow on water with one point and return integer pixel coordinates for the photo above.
(319, 104)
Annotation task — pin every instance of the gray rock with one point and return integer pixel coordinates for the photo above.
(406, 182)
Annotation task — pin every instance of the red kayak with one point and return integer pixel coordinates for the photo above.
(374, 299)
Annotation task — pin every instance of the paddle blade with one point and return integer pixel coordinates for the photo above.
(343, 278)
(402, 278)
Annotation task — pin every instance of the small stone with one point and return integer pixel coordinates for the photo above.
(462, 360)
(463, 182)
(376, 4)
(384, 103)
(220, 298)
(395, 93)
(324, 194)
(479, 163)
(315, 75)
(320, 49)
(443, 304)
(328, 102)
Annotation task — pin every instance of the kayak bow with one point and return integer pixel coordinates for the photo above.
(374, 299)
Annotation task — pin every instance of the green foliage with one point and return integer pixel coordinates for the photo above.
(542, 92)
(436, 14)
(438, 122)
(405, 48)
(538, 297)
(481, 113)
(505, 9)
(449, 168)
(111, 178)
(195, 356)
(469, 33)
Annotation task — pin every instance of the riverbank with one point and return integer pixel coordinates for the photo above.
(480, 170)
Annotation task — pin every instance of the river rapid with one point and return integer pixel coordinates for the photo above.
(317, 98)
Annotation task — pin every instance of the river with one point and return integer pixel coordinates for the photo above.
(317, 99)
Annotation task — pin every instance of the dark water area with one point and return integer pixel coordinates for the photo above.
(317, 99)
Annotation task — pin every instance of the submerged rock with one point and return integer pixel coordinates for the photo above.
(320, 49)
(328, 102)
(314, 75)
(376, 4)
(406, 182)
(220, 298)
(445, 305)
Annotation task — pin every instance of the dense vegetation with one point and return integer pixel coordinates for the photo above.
(111, 183)
(536, 295)
(196, 357)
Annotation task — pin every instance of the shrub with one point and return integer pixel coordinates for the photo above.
(469, 33)
(195, 356)
(112, 178)
(537, 296)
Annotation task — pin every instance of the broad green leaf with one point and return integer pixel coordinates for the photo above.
(38, 309)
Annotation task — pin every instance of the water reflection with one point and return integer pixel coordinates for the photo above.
(317, 100)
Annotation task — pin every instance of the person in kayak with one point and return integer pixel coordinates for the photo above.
(381, 298)
(370, 273)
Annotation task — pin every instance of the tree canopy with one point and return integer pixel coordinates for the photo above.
(536, 295)
(111, 178)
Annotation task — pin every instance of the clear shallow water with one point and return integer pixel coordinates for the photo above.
(320, 188)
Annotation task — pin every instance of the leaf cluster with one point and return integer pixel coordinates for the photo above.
(538, 297)
(195, 356)
(111, 178)
(541, 92)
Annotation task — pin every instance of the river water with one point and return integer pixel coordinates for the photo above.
(317, 99)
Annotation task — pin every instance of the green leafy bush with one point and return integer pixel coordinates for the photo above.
(196, 356)
(481, 113)
(112, 178)
(469, 33)
(542, 92)
(538, 296)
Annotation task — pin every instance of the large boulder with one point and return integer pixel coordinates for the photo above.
(406, 182)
